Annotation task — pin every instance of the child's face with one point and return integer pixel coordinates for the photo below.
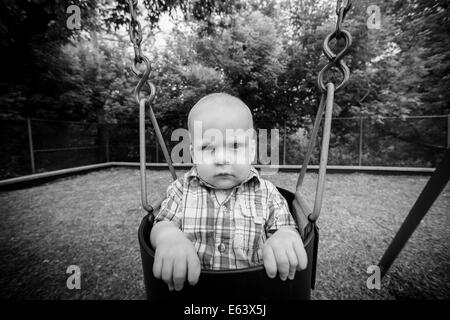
(222, 146)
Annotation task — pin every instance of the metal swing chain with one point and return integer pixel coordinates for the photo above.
(326, 100)
(135, 32)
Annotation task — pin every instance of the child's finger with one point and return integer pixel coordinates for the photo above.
(282, 263)
(157, 266)
(293, 263)
(270, 263)
(302, 258)
(166, 273)
(167, 270)
(179, 273)
(193, 269)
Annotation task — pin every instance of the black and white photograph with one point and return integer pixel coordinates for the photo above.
(225, 155)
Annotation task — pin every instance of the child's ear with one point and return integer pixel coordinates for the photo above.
(191, 148)
(252, 150)
(191, 152)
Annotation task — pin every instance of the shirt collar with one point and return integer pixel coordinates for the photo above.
(192, 175)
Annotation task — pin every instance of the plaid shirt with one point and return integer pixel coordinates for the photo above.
(226, 235)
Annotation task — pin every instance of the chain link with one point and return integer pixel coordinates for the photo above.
(343, 6)
(135, 32)
(335, 60)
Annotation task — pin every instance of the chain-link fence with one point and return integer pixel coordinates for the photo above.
(34, 145)
(403, 142)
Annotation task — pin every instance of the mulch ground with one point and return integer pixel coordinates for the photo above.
(91, 221)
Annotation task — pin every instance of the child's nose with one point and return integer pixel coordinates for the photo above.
(221, 156)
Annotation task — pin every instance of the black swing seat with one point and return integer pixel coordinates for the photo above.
(247, 283)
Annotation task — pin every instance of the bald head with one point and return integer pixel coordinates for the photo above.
(221, 110)
(222, 139)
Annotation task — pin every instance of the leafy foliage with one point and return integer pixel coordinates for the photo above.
(268, 52)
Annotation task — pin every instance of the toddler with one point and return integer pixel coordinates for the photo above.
(222, 214)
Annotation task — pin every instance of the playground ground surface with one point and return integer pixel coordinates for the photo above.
(91, 220)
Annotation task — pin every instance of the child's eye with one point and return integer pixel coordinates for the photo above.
(207, 148)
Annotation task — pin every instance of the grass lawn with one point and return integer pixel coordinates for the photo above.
(91, 220)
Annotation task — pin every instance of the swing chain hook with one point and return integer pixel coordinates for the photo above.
(335, 60)
(135, 32)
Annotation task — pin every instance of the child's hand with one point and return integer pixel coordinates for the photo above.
(284, 252)
(176, 260)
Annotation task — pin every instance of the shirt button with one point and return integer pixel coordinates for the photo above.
(222, 247)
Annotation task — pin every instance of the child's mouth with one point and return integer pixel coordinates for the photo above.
(224, 174)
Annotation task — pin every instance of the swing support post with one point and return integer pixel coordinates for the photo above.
(429, 194)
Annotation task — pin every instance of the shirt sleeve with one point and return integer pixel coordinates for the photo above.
(169, 210)
(279, 214)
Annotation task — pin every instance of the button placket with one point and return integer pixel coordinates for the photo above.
(225, 211)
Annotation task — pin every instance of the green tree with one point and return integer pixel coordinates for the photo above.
(249, 56)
